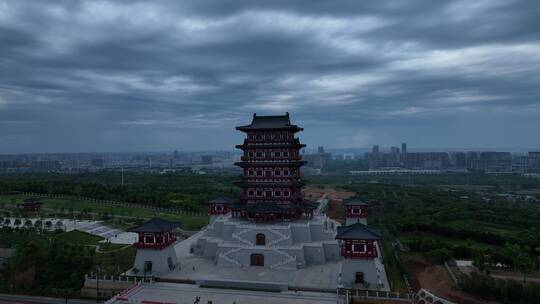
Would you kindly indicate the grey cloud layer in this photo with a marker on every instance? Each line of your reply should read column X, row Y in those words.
column 149, row 75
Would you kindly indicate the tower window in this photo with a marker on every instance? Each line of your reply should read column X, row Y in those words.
column 359, row 247
column 257, row 259
column 147, row 266
column 260, row 239
column 259, row 193
column 277, row 172
column 359, row 278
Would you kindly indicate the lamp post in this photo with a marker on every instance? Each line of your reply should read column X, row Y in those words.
column 97, row 284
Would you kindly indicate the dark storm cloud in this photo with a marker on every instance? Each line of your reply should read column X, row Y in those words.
column 149, row 75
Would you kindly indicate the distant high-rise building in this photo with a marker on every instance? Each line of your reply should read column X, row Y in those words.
column 427, row 160
column 404, row 148
column 534, row 160
column 472, row 160
column 44, row 165
column 318, row 160
column 460, row 160
column 348, row 156
column 206, row 159
column 375, row 149
column 97, row 162
column 394, row 150
column 495, row 161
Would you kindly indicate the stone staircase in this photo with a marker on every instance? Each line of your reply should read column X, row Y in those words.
column 285, row 257
column 226, row 257
column 282, row 237
column 238, row 236
column 242, row 240
column 288, row 259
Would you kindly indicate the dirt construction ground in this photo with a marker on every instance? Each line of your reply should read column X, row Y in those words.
column 436, row 279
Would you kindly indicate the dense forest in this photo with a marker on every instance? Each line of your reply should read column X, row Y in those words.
column 47, row 266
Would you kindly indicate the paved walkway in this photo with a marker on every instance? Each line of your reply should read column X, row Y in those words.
column 115, row 236
column 186, row 294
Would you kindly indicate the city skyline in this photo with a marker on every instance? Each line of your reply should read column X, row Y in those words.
column 134, row 76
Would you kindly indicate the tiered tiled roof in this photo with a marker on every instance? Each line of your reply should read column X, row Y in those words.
column 356, row 201
column 155, row 225
column 357, row 231
column 269, row 122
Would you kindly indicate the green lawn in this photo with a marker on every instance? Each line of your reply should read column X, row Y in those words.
column 79, row 237
column 56, row 205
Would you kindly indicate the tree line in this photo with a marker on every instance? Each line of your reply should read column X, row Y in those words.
column 186, row 192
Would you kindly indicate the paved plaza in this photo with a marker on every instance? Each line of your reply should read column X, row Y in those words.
column 186, row 294
column 115, row 236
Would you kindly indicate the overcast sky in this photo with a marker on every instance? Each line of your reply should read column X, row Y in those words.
column 163, row 75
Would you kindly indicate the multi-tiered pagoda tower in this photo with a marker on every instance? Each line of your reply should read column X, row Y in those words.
column 272, row 230
column 271, row 181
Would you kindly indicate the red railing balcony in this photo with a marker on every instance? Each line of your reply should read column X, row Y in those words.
column 271, row 141
column 359, row 255
column 270, row 159
column 156, row 246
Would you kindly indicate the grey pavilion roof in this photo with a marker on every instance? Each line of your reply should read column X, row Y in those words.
column 357, row 231
column 269, row 122
column 356, row 201
column 155, row 225
column 32, row 199
column 223, row 200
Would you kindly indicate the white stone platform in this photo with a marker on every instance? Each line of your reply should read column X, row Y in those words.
column 186, row 294
column 212, row 258
column 204, row 271
column 288, row 245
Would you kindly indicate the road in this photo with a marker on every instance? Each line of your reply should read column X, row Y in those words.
column 22, row 299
